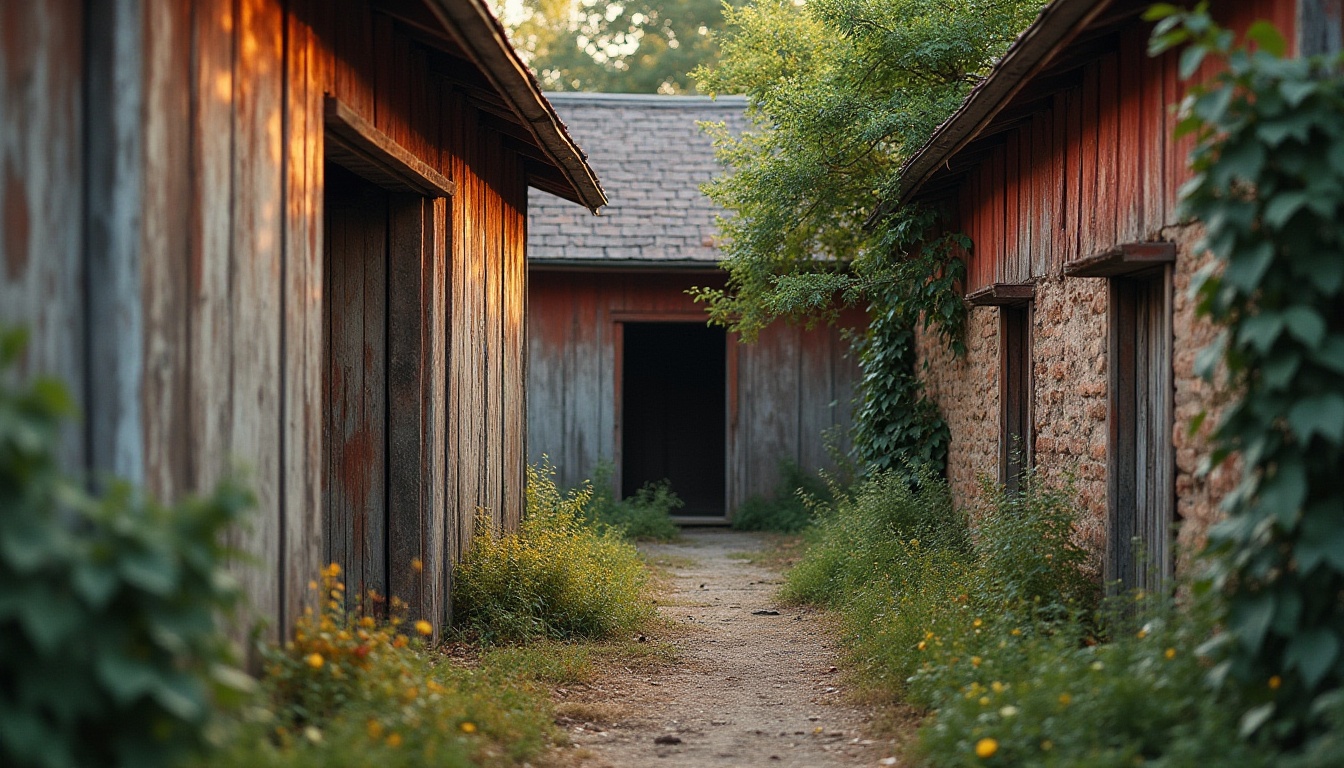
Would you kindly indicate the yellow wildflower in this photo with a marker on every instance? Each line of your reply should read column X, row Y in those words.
column 315, row 660
column 1170, row 654
column 424, row 627
column 1275, row 682
column 1047, row 745
column 367, row 622
column 975, row 661
column 312, row 585
column 984, row 701
column 394, row 740
column 1142, row 634
column 467, row 726
column 921, row 645
column 997, row 686
column 375, row 729
column 417, row 565
column 976, row 623
column 986, row 748
column 1065, row 699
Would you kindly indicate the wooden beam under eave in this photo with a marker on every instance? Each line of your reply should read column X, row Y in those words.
column 361, row 148
column 1003, row 295
column 1124, row 259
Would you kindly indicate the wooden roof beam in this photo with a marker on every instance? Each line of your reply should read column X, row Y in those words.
column 1003, row 295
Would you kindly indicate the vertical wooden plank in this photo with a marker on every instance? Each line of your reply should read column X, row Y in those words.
column 1177, row 150
column 303, row 315
column 435, row 406
column 407, row 354
column 1022, row 210
column 1044, row 166
column 163, row 244
column 1132, row 157
column 365, row 458
column 1061, row 188
column 1089, row 218
column 42, row 259
column 353, row 59
column 515, row 343
column 115, row 188
column 1109, row 178
column 210, row 251
column 1153, row 145
column 993, row 269
column 492, row 340
column 1120, row 425
column 1009, row 253
column 257, row 279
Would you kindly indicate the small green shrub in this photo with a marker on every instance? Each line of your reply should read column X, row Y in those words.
column 790, row 508
column 646, row 516
column 871, row 533
column 558, row 576
column 109, row 649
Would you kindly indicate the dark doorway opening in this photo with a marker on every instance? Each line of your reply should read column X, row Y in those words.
column 673, row 412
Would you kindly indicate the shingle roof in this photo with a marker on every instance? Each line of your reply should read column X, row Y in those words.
column 652, row 158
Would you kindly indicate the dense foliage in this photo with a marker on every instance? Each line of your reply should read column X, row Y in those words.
column 110, row 653
column 1269, row 188
column 789, row 508
column 349, row 690
column 646, row 516
column 840, row 93
column 646, row 46
column 558, row 576
column 991, row 623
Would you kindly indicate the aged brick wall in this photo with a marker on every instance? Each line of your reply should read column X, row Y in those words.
column 1069, row 327
column 1197, row 495
column 1069, row 377
column 966, row 390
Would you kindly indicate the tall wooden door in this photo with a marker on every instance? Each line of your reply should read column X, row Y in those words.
column 1141, row 475
column 382, row 443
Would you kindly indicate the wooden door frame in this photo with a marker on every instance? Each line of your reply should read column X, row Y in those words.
column 618, row 319
column 416, row 349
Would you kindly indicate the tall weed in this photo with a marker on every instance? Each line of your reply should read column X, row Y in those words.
column 558, row 576
column 646, row 516
column 790, row 508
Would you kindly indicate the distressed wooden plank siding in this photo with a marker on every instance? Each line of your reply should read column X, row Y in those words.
column 1096, row 156
column 784, row 391
column 42, row 270
column 168, row 161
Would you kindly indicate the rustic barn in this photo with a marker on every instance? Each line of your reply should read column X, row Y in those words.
column 1062, row 168
column 621, row 366
column 287, row 235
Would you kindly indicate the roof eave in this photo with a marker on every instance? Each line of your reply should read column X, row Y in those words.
column 1056, row 26
column 481, row 35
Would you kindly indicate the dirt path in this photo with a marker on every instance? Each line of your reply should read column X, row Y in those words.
column 750, row 689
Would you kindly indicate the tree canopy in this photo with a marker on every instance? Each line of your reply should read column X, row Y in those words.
column 841, row 92
column 635, row 46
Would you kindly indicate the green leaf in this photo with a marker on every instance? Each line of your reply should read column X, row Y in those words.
column 1297, row 92
column 125, row 678
column 1261, row 331
column 1321, row 539
column 1305, row 324
column 1248, row 266
column 1249, row 617
column 1283, row 493
column 152, row 571
column 1255, row 718
column 95, row 583
column 1319, row 414
column 1282, row 208
column 1312, row 653
column 1331, row 354
column 1191, row 58
column 1267, row 36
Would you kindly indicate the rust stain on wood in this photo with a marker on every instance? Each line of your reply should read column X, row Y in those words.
column 18, row 226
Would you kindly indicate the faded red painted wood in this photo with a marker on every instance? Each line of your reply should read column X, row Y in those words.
column 1093, row 167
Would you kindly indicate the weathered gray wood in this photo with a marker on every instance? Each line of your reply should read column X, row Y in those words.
column 42, row 269
column 1122, row 260
column 514, row 403
column 164, row 240
column 435, row 406
column 115, row 200
column 1002, row 295
column 407, row 325
column 357, row 145
column 303, row 321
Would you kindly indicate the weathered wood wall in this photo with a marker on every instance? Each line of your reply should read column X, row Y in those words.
column 185, row 252
column 1093, row 166
column 783, row 391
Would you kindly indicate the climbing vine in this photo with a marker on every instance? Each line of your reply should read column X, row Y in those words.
column 1269, row 188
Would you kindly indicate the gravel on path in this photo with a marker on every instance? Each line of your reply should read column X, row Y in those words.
column 755, row 683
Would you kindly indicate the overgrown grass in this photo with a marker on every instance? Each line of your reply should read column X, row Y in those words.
column 646, row 516
column 557, row 577
column 790, row 508
column 993, row 626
